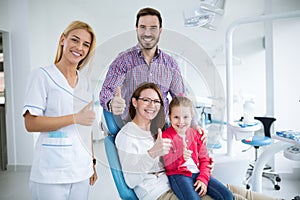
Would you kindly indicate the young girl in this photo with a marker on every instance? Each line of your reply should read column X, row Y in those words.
column 187, row 162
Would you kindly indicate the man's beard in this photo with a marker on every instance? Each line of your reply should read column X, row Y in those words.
column 148, row 45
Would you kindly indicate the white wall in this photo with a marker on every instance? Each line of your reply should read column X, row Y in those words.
column 4, row 13
column 287, row 70
column 16, row 69
column 35, row 26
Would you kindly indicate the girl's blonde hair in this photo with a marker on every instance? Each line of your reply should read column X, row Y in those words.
column 181, row 101
column 77, row 25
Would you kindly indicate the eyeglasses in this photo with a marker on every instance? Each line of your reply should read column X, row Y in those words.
column 152, row 29
column 148, row 101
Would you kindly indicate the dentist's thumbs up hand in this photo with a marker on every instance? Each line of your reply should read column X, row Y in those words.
column 85, row 116
column 161, row 146
column 118, row 103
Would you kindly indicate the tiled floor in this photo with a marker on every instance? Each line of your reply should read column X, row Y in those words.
column 14, row 184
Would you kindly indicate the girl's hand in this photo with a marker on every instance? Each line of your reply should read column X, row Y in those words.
column 201, row 187
column 187, row 154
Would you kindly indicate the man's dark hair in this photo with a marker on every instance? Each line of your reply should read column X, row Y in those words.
column 148, row 11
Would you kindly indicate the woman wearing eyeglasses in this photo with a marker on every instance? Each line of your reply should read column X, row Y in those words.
column 140, row 145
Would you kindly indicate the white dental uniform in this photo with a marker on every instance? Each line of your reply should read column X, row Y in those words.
column 64, row 155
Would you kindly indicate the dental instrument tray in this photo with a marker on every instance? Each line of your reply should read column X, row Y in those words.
column 293, row 137
column 243, row 130
column 289, row 135
column 249, row 124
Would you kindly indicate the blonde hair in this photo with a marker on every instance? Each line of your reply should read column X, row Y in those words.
column 77, row 25
column 181, row 101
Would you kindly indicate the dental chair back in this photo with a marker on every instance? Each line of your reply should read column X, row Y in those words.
column 125, row 192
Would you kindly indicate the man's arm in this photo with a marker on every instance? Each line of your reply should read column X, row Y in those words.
column 177, row 87
column 113, row 79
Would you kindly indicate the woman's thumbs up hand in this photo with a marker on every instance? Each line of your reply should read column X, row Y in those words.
column 85, row 116
column 161, row 146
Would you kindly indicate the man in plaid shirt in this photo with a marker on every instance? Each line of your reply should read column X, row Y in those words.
column 144, row 62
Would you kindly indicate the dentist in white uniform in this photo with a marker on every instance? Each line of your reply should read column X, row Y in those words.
column 58, row 104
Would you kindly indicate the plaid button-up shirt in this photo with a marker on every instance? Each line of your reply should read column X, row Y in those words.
column 130, row 69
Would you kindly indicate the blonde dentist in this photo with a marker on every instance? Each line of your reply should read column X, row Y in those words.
column 58, row 103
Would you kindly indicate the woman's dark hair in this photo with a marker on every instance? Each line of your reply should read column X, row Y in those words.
column 148, row 11
column 159, row 121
